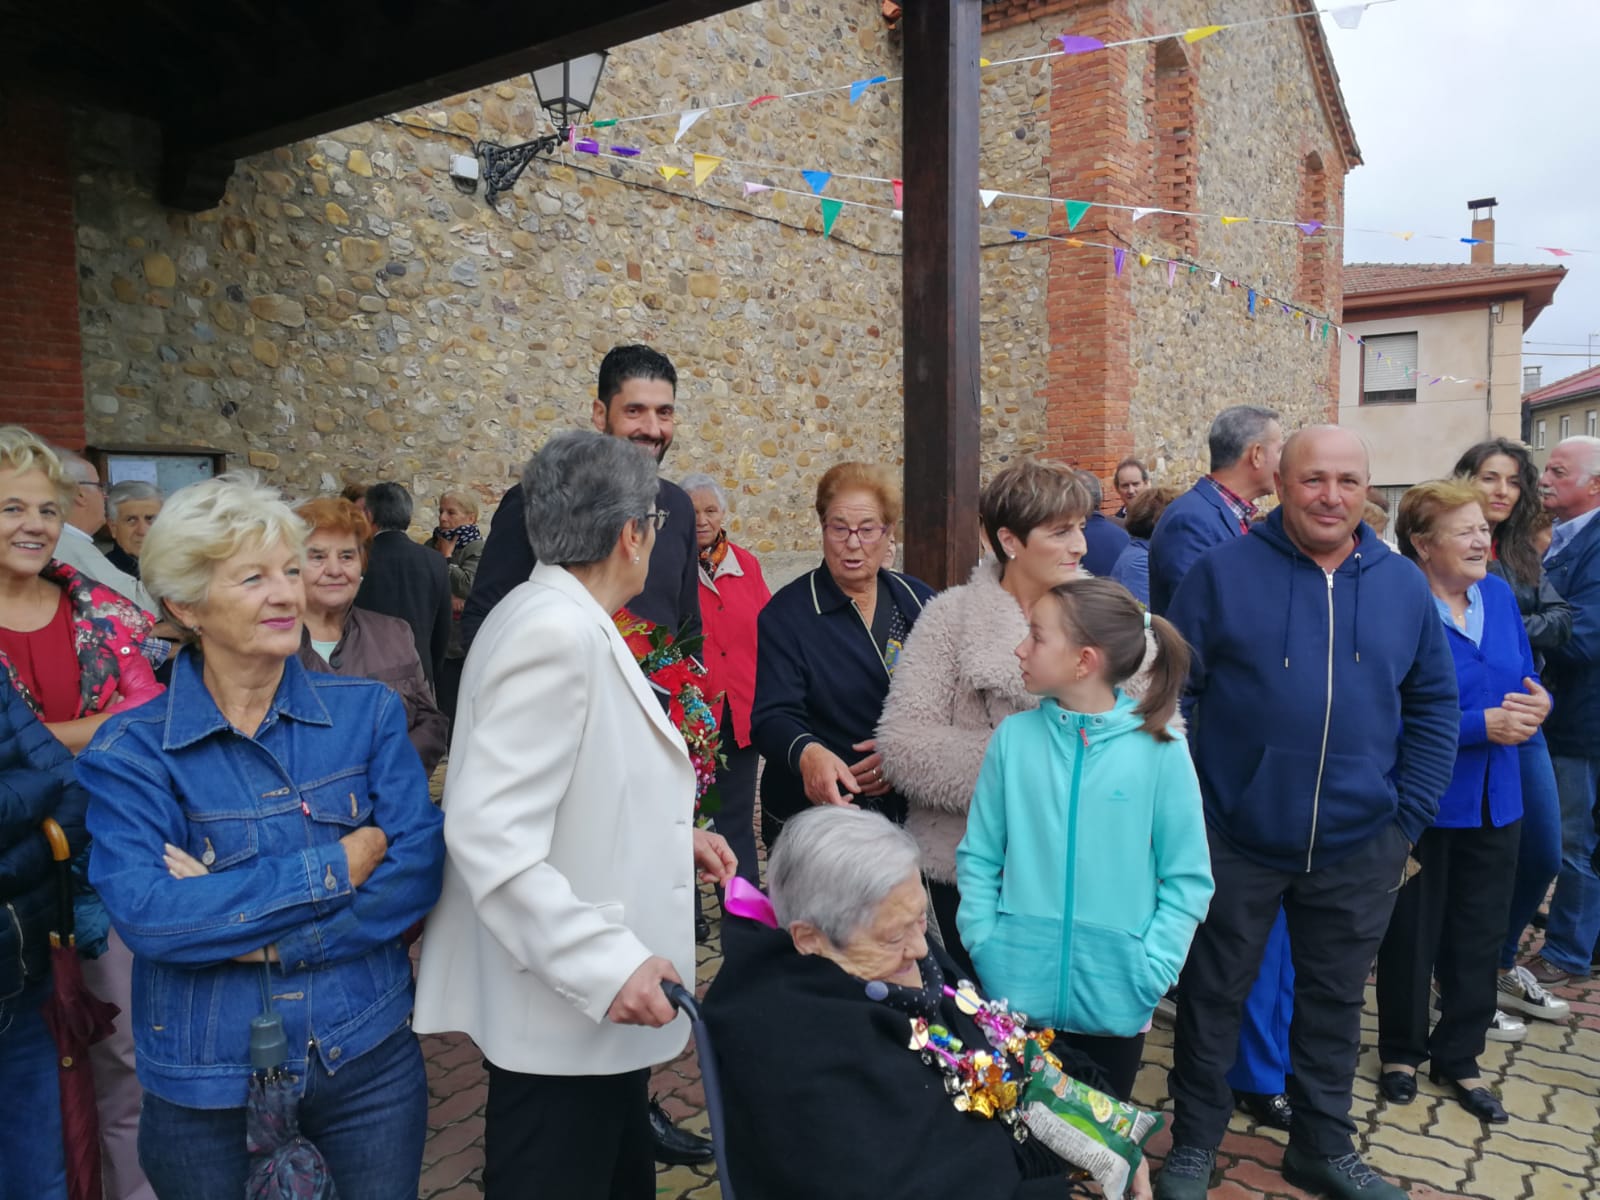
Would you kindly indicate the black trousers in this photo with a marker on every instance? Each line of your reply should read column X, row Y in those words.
column 447, row 688
column 946, row 900
column 1117, row 1057
column 736, row 784
column 1450, row 922
column 1337, row 915
column 576, row 1137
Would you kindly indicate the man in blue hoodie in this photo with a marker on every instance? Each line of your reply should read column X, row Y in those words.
column 1313, row 802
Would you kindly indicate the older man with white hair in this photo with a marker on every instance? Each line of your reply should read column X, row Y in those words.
column 84, row 519
column 1570, row 486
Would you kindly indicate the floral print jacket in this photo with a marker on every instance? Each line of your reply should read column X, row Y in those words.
column 107, row 632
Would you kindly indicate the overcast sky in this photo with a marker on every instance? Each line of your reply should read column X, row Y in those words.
column 1457, row 99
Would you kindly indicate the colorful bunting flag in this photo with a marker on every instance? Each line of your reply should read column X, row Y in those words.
column 1140, row 214
column 586, row 146
column 817, row 180
column 830, row 214
column 983, row 62
column 899, row 192
column 603, row 124
column 1075, row 211
column 897, row 215
column 1557, row 252
column 1118, row 257
column 1251, row 301
column 1472, row 241
column 861, row 85
column 1144, row 260
column 1172, row 271
column 1216, row 281
column 1406, row 236
column 704, row 164
column 1234, row 220
column 1201, row 32
column 1019, row 234
column 1074, row 243
column 1074, row 44
column 750, row 189
column 762, row 100
column 1348, row 16
column 686, row 121
column 1309, row 227
column 669, row 172
column 987, row 196
column 625, row 151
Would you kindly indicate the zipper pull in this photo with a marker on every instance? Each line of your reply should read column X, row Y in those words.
column 1083, row 734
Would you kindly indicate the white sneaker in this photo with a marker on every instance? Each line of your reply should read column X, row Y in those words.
column 1505, row 1028
column 1519, row 990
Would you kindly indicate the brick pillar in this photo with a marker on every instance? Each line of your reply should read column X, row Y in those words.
column 1092, row 157
column 41, row 351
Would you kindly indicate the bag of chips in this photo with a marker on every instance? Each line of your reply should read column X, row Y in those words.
column 1087, row 1128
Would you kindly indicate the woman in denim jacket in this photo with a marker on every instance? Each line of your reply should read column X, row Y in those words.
column 262, row 829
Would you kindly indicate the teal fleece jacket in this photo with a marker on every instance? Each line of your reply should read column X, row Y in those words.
column 1085, row 869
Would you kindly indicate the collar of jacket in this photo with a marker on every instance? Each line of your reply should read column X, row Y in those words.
column 990, row 627
column 828, row 596
column 1089, row 729
column 193, row 715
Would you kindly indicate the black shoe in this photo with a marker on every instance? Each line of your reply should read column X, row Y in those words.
column 1539, row 919
column 1479, row 1101
column 1398, row 1087
column 676, row 1147
column 702, row 931
column 1266, row 1109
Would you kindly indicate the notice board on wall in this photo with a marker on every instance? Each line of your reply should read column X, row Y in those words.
column 168, row 467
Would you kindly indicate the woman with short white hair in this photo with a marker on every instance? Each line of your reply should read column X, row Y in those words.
column 264, row 837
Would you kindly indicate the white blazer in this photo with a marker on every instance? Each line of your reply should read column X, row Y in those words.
column 568, row 819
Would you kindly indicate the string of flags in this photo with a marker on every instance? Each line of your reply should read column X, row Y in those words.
column 703, row 164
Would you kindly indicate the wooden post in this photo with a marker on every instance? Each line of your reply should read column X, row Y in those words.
column 939, row 149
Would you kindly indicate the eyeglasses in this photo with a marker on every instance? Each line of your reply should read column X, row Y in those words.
column 868, row 533
column 656, row 518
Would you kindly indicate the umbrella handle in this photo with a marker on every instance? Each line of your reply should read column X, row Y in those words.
column 61, row 852
column 57, row 837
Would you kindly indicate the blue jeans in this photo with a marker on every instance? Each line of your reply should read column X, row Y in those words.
column 1539, row 854
column 1575, row 908
column 369, row 1120
column 31, row 1166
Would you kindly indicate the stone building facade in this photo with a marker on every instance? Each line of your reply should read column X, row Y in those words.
column 347, row 313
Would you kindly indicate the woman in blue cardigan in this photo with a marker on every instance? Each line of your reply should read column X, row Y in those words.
column 1450, row 919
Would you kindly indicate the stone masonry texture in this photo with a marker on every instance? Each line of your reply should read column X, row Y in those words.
column 348, row 314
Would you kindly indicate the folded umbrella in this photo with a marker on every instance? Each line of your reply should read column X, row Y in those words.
column 77, row 1019
column 284, row 1164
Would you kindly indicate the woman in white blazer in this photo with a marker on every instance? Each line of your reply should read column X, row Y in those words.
column 569, row 890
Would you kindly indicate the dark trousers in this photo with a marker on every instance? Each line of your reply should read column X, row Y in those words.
column 577, row 1137
column 1449, row 921
column 1336, row 915
column 736, row 785
column 946, row 900
column 447, row 687
column 1117, row 1057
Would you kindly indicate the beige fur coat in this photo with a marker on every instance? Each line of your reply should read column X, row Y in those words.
column 956, row 680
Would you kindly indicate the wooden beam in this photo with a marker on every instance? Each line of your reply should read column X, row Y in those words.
column 939, row 147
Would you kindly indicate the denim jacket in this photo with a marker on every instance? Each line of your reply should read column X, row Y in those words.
column 264, row 814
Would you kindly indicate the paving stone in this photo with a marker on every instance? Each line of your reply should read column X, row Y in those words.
column 1420, row 1145
column 1548, row 1184
column 1496, row 1177
column 1408, row 1166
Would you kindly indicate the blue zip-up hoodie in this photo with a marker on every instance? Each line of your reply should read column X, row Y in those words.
column 1085, row 870
column 1321, row 705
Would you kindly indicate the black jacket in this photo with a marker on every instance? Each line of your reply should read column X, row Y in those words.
column 823, row 1097
column 36, row 781
column 411, row 581
column 671, row 596
column 1545, row 615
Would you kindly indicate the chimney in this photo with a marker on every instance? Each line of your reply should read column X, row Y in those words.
column 1531, row 379
column 1483, row 229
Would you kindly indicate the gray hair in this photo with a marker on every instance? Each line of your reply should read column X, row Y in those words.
column 581, row 489
column 207, row 523
column 1091, row 484
column 129, row 491
column 704, row 483
column 1588, row 449
column 1235, row 430
column 834, row 865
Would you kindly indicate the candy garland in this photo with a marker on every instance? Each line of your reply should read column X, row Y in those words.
column 984, row 1082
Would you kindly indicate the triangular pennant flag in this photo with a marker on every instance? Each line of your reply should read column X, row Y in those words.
column 1073, row 44
column 1216, row 280
column 761, row 100
column 817, row 180
column 1172, row 271
column 861, row 85
column 1348, row 16
column 1234, row 220
column 1324, row 331
column 686, row 120
column 1118, row 257
column 1252, row 302
column 1140, row 214
column 983, row 62
column 899, row 192
column 704, row 164
column 1193, row 267
column 830, row 214
column 1309, row 227
column 604, row 124
column 1019, row 234
column 1434, row 380
column 625, row 151
column 1144, row 260
column 670, row 172
column 1074, row 243
column 897, row 215
column 1075, row 211
column 987, row 196
column 750, row 189
column 1380, row 355
column 586, row 146
column 1283, row 306
column 1405, row 236
column 1200, row 32
column 1559, row 253
column 1472, row 241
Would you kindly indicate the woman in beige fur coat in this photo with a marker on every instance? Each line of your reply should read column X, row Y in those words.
column 958, row 678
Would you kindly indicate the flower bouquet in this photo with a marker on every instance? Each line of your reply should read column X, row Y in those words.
column 668, row 662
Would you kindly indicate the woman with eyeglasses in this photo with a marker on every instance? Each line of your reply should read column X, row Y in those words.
column 826, row 650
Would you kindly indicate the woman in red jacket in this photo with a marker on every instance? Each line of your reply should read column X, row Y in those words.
column 732, row 595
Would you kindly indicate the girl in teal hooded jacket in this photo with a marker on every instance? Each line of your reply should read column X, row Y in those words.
column 1085, row 869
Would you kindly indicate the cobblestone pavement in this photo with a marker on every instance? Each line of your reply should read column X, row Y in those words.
column 1549, row 1151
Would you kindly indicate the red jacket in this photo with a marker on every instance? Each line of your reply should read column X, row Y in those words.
column 729, row 606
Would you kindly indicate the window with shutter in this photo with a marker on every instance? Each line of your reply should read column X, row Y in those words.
column 1389, row 369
